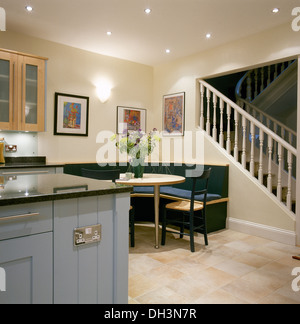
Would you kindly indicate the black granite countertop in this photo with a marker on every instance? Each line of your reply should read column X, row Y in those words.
column 23, row 189
column 27, row 162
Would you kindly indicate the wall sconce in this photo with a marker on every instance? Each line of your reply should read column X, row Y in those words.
column 103, row 91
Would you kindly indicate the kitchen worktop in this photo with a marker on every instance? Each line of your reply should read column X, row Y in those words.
column 28, row 162
column 40, row 187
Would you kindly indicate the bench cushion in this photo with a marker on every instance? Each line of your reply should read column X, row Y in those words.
column 176, row 192
column 143, row 189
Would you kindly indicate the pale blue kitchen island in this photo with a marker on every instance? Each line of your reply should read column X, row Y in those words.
column 45, row 258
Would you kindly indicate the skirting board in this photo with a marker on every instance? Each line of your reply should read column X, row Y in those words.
column 264, row 231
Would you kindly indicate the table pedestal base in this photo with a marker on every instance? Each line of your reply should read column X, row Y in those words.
column 156, row 211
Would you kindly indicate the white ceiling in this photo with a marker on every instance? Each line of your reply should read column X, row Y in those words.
column 179, row 25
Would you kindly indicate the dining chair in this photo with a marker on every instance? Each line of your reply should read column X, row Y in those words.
column 188, row 214
column 111, row 175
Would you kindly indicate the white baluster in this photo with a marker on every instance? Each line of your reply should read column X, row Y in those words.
column 290, row 135
column 201, row 106
column 228, row 142
column 215, row 99
column 249, row 89
column 256, row 80
column 221, row 139
column 282, row 133
column 236, row 124
column 244, row 122
column 252, row 136
column 270, row 148
column 279, row 176
column 289, row 189
column 269, row 75
column 208, row 111
column 261, row 145
column 248, row 109
column 262, row 79
column 275, row 72
column 261, row 117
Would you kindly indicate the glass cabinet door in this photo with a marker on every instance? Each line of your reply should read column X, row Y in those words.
column 7, row 67
column 4, row 91
column 33, row 99
column 31, row 85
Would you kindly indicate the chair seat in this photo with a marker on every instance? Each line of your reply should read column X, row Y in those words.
column 183, row 205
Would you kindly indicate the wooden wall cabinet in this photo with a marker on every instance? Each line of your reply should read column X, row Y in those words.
column 22, row 91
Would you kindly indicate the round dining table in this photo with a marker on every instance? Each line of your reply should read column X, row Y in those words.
column 155, row 180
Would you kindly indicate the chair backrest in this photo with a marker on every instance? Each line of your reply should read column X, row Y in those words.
column 101, row 174
column 203, row 178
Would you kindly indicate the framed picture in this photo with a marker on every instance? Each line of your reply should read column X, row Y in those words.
column 71, row 115
column 173, row 114
column 130, row 119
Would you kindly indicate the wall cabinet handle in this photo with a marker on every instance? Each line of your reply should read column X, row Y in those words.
column 13, row 98
column 7, row 218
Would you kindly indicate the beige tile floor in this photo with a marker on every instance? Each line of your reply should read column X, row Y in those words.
column 235, row 268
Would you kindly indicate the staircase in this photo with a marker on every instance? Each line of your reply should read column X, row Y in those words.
column 261, row 144
column 261, row 94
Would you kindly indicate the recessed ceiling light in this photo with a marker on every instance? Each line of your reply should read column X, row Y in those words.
column 108, row 33
column 168, row 51
column 275, row 10
column 147, row 11
column 29, row 8
column 208, row 35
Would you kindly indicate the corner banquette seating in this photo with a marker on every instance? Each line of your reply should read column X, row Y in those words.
column 142, row 197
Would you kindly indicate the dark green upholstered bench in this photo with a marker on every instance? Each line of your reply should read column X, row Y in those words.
column 142, row 197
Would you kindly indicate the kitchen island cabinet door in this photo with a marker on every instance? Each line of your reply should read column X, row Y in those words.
column 27, row 263
column 95, row 273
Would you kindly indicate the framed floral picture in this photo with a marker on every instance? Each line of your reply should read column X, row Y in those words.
column 173, row 114
column 130, row 119
column 71, row 114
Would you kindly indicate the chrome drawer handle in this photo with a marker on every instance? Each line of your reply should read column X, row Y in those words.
column 18, row 216
column 24, row 172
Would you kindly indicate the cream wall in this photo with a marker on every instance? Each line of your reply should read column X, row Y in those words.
column 248, row 204
column 74, row 71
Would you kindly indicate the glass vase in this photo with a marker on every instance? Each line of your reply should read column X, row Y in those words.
column 138, row 168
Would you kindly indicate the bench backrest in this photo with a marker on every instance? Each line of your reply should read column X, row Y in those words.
column 218, row 182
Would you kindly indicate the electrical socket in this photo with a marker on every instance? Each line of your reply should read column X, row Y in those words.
column 11, row 148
